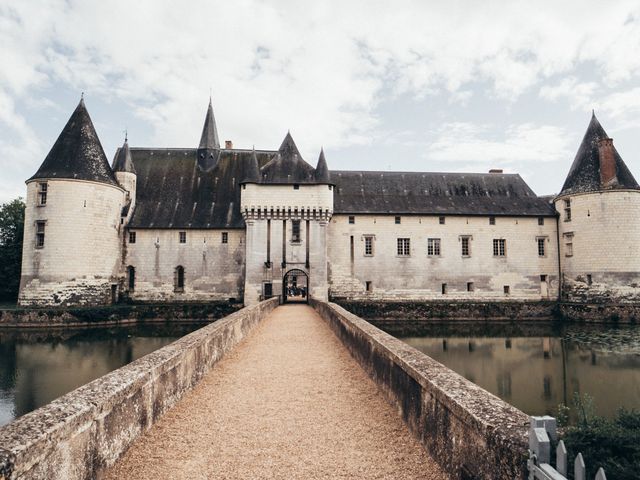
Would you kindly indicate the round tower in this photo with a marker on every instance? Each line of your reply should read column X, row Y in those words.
column 72, row 222
column 599, row 225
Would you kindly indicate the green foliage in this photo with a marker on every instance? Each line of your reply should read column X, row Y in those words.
column 11, row 233
column 611, row 444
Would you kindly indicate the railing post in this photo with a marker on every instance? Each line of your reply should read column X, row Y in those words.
column 561, row 459
column 600, row 475
column 579, row 469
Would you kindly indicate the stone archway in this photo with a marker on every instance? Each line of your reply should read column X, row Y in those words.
column 295, row 286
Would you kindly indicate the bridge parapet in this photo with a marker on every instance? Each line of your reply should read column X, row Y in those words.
column 470, row 432
column 83, row 432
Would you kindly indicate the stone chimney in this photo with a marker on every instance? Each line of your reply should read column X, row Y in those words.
column 607, row 162
column 495, row 170
column 228, row 144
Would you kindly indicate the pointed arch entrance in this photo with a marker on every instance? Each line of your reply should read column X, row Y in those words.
column 295, row 286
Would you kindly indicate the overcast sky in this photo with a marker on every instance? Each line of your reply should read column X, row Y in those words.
column 389, row 85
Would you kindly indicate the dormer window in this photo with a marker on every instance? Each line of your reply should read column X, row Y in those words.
column 42, row 193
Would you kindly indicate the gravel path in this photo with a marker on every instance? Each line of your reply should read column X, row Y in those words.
column 288, row 402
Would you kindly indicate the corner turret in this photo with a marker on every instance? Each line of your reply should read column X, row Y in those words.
column 125, row 173
column 322, row 171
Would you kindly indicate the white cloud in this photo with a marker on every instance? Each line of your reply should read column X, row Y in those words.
column 580, row 95
column 470, row 143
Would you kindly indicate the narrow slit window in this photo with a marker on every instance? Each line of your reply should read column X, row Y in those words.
column 470, row 286
column 368, row 286
column 183, row 237
column 42, row 193
column 179, row 285
column 131, row 277
column 444, row 288
column 295, row 231
column 225, row 237
column 567, row 210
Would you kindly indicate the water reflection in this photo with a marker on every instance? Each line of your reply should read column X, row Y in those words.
column 536, row 373
column 39, row 366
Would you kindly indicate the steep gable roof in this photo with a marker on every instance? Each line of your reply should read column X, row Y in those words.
column 122, row 159
column 322, row 170
column 209, row 138
column 77, row 153
column 584, row 174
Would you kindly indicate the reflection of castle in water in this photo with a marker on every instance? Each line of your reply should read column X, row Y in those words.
column 537, row 373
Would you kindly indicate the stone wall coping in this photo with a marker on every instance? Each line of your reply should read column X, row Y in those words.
column 31, row 438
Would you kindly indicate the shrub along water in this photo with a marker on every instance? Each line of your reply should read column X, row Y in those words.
column 613, row 444
column 11, row 232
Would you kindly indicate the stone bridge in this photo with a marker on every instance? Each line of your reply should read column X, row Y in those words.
column 291, row 391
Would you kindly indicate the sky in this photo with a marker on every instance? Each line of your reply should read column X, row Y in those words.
column 456, row 86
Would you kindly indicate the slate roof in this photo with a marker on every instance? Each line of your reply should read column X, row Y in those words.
column 584, row 174
column 77, row 153
column 122, row 160
column 209, row 138
column 173, row 192
column 287, row 166
column 436, row 194
column 322, row 174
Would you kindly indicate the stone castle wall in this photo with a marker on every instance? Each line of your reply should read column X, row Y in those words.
column 79, row 260
column 420, row 276
column 213, row 270
column 604, row 233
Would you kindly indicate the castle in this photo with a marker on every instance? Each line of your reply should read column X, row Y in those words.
column 219, row 223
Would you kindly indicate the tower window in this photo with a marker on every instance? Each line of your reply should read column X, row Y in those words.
column 368, row 286
column 541, row 246
column 131, row 277
column 465, row 246
column 499, row 247
column 404, row 247
column 506, row 289
column 568, row 244
column 179, row 279
column 183, row 237
column 433, row 247
column 132, row 237
column 42, row 193
column 368, row 246
column 40, row 234
column 352, row 219
column 225, row 237
column 470, row 286
column 295, row 231
column 444, row 288
column 567, row 210
column 398, row 220
column 492, row 220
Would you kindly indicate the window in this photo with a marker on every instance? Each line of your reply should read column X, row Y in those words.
column 499, row 247
column 540, row 220
column 465, row 246
column 368, row 246
column 183, row 237
column 568, row 244
column 589, row 279
column 296, row 187
column 132, row 237
column 368, row 286
column 179, row 279
column 433, row 247
column 352, row 219
column 444, row 288
column 506, row 289
column 398, row 220
column 541, row 246
column 567, row 210
column 441, row 220
column 225, row 237
column 295, row 231
column 404, row 249
column 469, row 286
column 131, row 276
column 40, row 234
column 492, row 220
column 42, row 193
column 543, row 278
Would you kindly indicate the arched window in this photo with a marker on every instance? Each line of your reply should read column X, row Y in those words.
column 179, row 279
column 131, row 277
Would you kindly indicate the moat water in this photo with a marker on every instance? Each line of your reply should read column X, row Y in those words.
column 37, row 367
column 537, row 367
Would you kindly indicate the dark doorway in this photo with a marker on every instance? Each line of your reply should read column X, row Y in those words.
column 295, row 287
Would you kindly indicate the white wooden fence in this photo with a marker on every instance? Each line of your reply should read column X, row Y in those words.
column 542, row 431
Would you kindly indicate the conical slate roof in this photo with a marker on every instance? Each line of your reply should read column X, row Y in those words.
column 122, row 161
column 584, row 175
column 209, row 138
column 253, row 169
column 288, row 166
column 322, row 171
column 77, row 153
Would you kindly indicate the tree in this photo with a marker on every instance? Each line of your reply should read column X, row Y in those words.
column 11, row 233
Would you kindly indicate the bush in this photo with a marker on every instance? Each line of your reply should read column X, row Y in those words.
column 613, row 444
column 11, row 232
